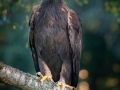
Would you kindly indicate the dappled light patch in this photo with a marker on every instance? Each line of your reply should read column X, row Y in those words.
column 83, row 74
column 116, row 68
column 84, row 85
column 111, row 82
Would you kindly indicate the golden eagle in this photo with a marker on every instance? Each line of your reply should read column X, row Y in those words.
column 55, row 41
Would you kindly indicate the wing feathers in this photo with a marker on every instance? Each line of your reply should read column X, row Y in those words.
column 75, row 36
column 31, row 37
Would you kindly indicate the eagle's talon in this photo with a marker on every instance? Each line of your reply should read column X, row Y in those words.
column 63, row 85
column 46, row 77
column 49, row 78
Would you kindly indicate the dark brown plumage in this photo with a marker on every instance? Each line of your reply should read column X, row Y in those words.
column 55, row 41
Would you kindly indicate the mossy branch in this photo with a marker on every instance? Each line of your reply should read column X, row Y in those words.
column 23, row 80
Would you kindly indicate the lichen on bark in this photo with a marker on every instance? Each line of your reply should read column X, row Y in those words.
column 24, row 81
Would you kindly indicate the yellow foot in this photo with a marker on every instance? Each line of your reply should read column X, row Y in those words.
column 44, row 77
column 63, row 85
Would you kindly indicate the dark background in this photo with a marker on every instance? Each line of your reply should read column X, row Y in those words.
column 100, row 64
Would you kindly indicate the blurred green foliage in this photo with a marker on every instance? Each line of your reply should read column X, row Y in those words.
column 101, row 40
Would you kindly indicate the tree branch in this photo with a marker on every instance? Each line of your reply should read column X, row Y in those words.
column 23, row 80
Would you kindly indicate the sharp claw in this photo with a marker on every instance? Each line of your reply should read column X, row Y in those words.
column 39, row 74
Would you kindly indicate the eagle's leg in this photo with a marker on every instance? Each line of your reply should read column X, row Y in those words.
column 45, row 71
column 65, row 77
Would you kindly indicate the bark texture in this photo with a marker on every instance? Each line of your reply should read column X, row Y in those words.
column 23, row 80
